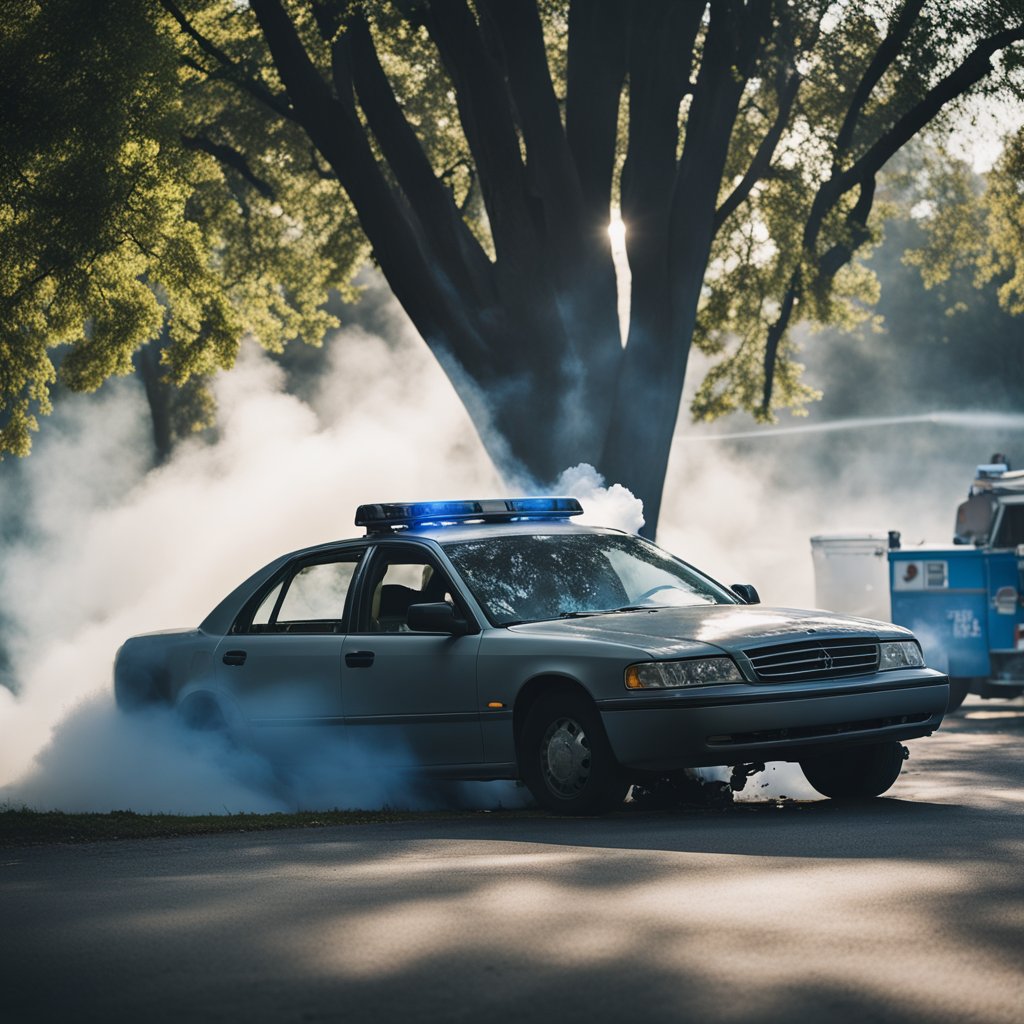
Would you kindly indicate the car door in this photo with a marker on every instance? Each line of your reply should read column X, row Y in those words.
column 410, row 697
column 282, row 664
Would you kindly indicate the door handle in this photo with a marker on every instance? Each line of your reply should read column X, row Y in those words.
column 359, row 659
column 234, row 658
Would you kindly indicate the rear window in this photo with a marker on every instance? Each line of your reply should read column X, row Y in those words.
column 528, row 577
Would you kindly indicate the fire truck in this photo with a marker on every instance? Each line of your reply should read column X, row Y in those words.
column 964, row 601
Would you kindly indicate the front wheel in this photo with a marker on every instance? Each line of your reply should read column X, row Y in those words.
column 565, row 758
column 857, row 773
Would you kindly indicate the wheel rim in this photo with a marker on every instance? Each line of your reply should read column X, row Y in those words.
column 565, row 757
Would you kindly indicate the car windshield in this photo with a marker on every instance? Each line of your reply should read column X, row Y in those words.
column 526, row 577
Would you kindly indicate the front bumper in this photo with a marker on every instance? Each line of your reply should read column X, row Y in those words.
column 662, row 731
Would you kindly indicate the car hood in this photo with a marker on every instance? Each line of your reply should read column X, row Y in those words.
column 665, row 632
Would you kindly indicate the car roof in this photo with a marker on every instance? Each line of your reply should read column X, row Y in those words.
column 486, row 531
column 455, row 532
column 223, row 614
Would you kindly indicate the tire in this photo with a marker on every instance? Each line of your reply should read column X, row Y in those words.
column 959, row 687
column 856, row 773
column 992, row 691
column 203, row 714
column 565, row 758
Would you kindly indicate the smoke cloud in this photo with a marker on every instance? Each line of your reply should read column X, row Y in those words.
column 602, row 506
column 95, row 546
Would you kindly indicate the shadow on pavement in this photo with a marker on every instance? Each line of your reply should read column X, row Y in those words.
column 903, row 909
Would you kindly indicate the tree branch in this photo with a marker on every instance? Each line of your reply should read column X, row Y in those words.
column 418, row 282
column 596, row 72
column 465, row 261
column 330, row 21
column 229, row 157
column 550, row 167
column 798, row 39
column 762, row 159
column 734, row 38
column 882, row 60
column 974, row 68
column 488, row 125
column 661, row 51
column 342, row 141
column 857, row 234
column 862, row 174
column 276, row 103
column 775, row 335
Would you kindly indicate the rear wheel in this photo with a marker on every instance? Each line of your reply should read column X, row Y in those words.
column 565, row 757
column 856, row 773
column 203, row 714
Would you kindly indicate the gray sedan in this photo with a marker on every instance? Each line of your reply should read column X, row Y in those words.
column 497, row 639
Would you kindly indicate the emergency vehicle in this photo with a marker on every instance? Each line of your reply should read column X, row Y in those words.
column 967, row 599
column 964, row 601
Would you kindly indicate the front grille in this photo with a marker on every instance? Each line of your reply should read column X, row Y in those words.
column 814, row 659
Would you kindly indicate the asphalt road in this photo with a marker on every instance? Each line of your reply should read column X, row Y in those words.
column 909, row 908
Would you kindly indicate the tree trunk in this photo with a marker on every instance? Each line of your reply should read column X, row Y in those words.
column 159, row 396
column 526, row 325
column 530, row 340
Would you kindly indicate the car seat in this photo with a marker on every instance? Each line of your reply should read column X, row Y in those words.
column 394, row 607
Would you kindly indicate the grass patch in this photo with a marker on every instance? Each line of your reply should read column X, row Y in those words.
column 26, row 827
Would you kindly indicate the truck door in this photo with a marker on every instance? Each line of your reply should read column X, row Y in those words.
column 940, row 593
column 1005, row 610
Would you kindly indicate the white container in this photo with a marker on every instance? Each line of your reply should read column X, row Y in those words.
column 851, row 572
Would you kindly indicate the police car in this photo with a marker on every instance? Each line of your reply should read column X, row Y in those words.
column 498, row 639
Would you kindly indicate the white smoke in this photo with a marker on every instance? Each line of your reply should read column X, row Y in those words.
column 780, row 780
column 111, row 550
column 95, row 548
column 100, row 761
column 614, row 506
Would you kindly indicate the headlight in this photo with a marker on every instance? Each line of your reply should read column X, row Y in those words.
column 899, row 654
column 667, row 675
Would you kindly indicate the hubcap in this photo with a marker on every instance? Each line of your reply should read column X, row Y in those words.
column 565, row 757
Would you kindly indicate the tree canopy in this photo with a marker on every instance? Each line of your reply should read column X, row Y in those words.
column 122, row 222
column 982, row 229
column 938, row 337
column 478, row 150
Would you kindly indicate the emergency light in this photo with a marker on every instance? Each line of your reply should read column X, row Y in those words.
column 383, row 517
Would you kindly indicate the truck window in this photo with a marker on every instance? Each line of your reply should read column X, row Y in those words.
column 1010, row 531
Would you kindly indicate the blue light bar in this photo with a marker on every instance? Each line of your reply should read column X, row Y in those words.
column 377, row 518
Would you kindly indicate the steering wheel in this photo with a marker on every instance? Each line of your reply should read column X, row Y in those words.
column 654, row 590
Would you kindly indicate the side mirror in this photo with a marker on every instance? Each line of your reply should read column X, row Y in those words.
column 436, row 617
column 746, row 592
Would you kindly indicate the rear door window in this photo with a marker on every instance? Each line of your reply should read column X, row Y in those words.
column 312, row 598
